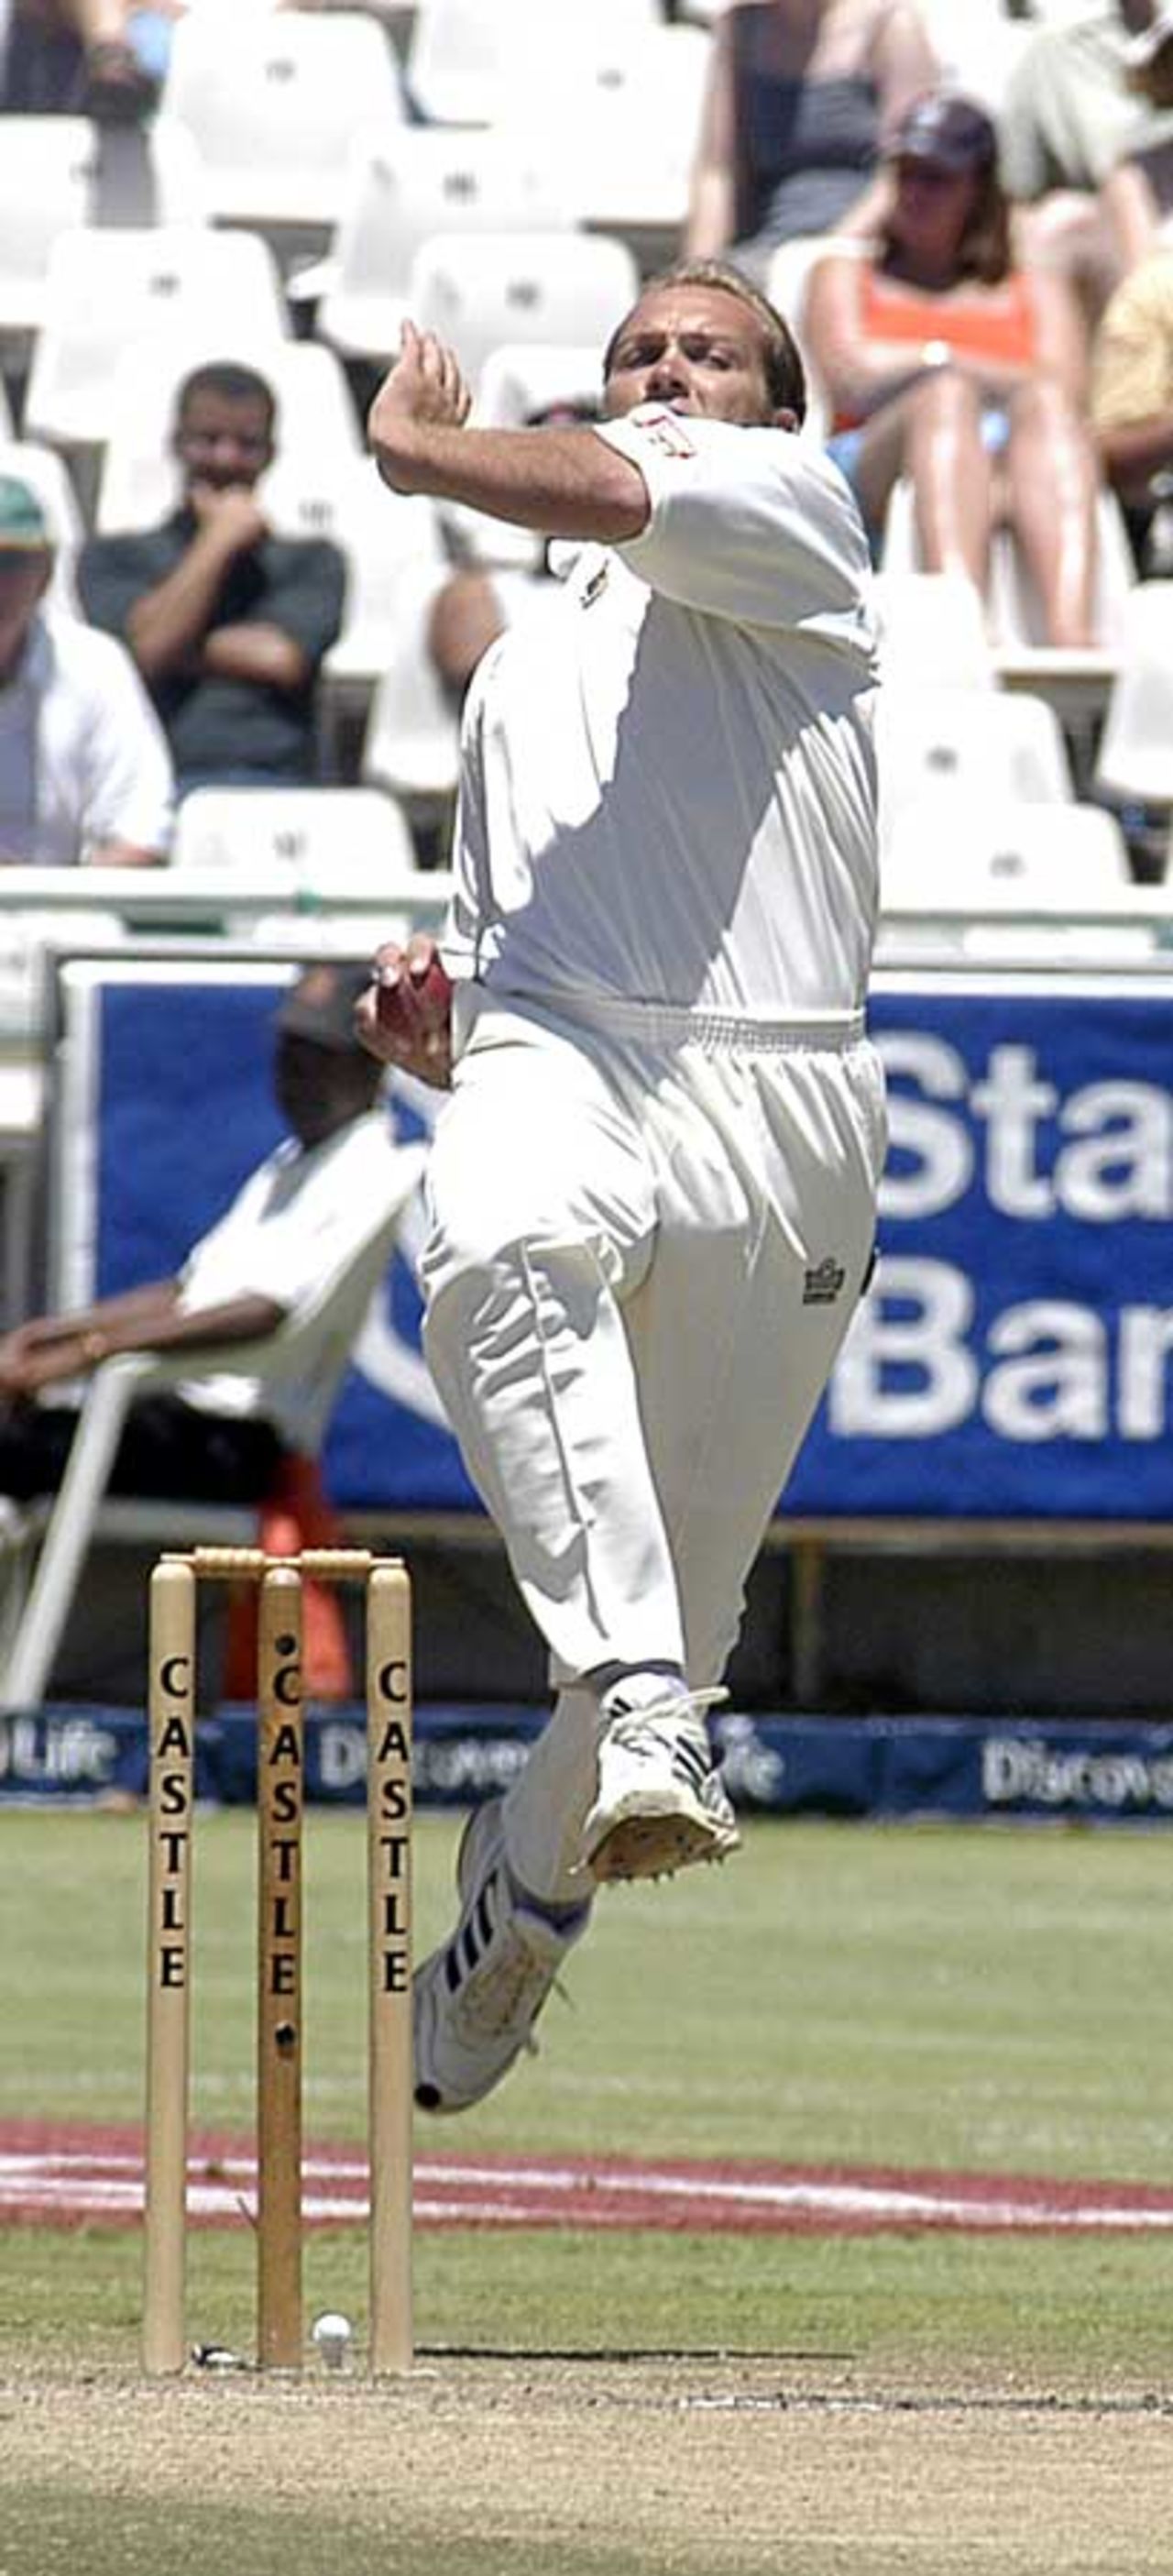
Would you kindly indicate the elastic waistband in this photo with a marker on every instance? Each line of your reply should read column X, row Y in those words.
column 667, row 1024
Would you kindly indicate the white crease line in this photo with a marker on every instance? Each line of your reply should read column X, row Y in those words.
column 515, row 2194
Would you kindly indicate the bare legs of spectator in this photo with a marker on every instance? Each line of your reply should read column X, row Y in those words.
column 1051, row 487
column 1045, row 486
column 933, row 434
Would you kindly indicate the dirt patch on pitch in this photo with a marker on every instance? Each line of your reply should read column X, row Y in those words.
column 664, row 2468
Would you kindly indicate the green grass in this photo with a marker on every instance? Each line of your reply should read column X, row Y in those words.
column 937, row 1996
column 946, row 1998
column 70, row 2539
column 949, row 2311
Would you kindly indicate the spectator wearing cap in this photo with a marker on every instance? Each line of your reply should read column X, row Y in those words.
column 799, row 96
column 292, row 1230
column 227, row 622
column 84, row 769
column 1138, row 193
column 947, row 362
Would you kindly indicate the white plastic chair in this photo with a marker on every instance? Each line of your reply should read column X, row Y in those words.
column 976, row 46
column 466, row 59
column 329, row 1327
column 1016, row 615
column 968, row 744
column 619, row 115
column 317, row 435
column 107, row 290
column 1013, row 606
column 788, row 276
column 932, row 628
column 57, row 172
column 1043, row 858
column 411, row 740
column 313, row 831
column 480, row 291
column 1135, row 759
column 392, row 542
column 401, row 190
column 273, row 100
column 48, row 476
column 524, row 378
column 412, row 736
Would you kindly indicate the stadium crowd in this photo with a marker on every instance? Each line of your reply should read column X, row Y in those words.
column 962, row 212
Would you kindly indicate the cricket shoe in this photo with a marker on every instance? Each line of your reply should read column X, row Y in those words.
column 660, row 1803
column 476, row 1999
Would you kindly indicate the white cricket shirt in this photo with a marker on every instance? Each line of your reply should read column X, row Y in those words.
column 83, row 757
column 668, row 786
column 294, row 1226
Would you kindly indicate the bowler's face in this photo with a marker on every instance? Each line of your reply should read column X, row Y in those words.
column 698, row 351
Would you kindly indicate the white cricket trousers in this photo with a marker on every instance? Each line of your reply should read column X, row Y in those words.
column 649, row 1230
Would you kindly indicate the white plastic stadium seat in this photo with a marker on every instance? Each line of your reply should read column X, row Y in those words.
column 109, row 289
column 401, row 189
column 1135, row 760
column 480, row 291
column 524, row 379
column 932, row 628
column 787, row 279
column 977, row 46
column 332, row 1325
column 411, row 741
column 317, row 434
column 47, row 475
column 57, row 172
column 273, row 101
column 967, row 745
column 1048, row 858
column 619, row 116
column 413, row 729
column 391, row 540
column 309, row 830
column 467, row 59
column 1015, row 612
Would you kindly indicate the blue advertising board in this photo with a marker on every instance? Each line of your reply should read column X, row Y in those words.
column 990, row 1769
column 1012, row 1358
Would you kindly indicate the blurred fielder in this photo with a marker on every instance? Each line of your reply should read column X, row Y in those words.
column 653, row 1185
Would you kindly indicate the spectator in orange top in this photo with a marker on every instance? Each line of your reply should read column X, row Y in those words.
column 946, row 362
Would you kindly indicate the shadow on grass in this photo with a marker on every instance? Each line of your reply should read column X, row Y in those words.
column 59, row 2531
column 608, row 2355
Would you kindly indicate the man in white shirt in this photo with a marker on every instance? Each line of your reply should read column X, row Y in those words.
column 653, row 1188
column 85, row 773
column 294, row 1227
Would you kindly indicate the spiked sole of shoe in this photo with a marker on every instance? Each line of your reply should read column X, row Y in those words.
column 656, row 1846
